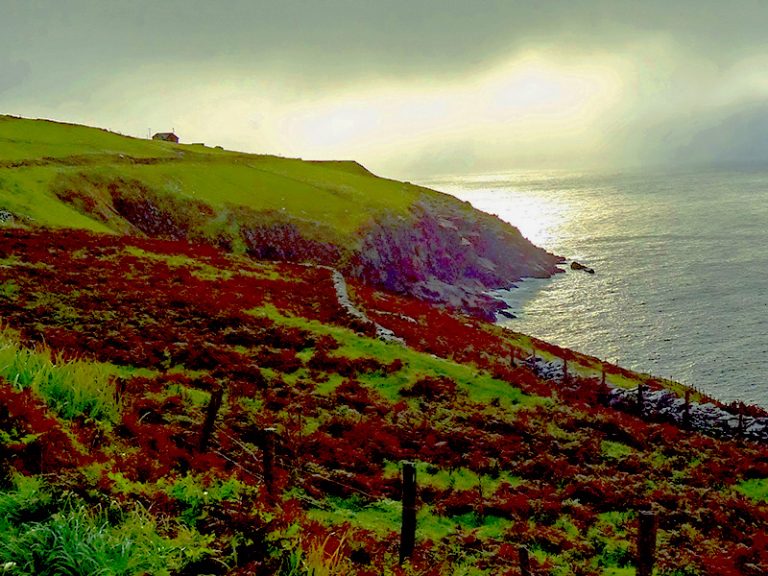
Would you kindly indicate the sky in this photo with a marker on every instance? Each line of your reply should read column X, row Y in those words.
column 407, row 87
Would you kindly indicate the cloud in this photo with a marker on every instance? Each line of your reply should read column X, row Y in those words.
column 737, row 137
column 399, row 83
column 13, row 73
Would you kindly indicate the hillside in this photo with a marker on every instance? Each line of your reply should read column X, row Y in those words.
column 394, row 235
column 113, row 347
column 179, row 398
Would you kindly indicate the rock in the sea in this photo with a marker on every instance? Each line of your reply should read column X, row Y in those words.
column 506, row 314
column 579, row 266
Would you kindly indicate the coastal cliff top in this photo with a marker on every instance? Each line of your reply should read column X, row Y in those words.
column 395, row 235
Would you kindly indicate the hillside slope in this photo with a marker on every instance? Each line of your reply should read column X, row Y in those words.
column 112, row 352
column 395, row 235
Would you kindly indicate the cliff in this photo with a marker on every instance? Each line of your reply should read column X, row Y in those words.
column 404, row 238
column 444, row 252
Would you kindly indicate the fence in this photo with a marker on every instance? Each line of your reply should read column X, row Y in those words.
column 647, row 529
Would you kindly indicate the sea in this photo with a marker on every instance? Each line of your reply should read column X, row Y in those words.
column 680, row 288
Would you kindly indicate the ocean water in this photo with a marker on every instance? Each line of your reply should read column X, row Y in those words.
column 680, row 288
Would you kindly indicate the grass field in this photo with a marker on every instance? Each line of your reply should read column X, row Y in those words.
column 36, row 156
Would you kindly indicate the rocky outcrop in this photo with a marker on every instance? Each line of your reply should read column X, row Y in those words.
column 448, row 253
column 579, row 266
column 271, row 239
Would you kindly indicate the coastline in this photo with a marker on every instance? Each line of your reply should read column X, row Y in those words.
column 673, row 294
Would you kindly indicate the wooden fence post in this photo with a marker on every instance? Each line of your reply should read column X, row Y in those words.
column 214, row 404
column 268, row 459
column 565, row 371
column 687, row 410
column 646, row 543
column 525, row 561
column 408, row 529
column 741, row 420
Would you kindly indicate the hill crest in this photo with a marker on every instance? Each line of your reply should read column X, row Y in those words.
column 399, row 236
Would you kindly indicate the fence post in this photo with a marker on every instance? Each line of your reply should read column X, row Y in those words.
column 525, row 561
column 214, row 404
column 408, row 529
column 646, row 543
column 268, row 458
column 687, row 410
column 565, row 372
column 120, row 390
column 741, row 420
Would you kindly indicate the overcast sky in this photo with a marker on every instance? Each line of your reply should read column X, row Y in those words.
column 407, row 87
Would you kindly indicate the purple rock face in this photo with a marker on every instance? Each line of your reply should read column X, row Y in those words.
column 448, row 254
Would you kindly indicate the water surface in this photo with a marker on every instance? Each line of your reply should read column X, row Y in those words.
column 680, row 288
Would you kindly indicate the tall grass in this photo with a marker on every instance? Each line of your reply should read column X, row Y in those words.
column 70, row 387
column 322, row 559
column 57, row 537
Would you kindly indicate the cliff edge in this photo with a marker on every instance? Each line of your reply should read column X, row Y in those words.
column 394, row 235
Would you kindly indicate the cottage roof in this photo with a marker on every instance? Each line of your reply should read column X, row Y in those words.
column 165, row 136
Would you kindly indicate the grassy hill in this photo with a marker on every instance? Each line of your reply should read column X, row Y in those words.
column 172, row 403
column 334, row 213
column 113, row 347
column 48, row 155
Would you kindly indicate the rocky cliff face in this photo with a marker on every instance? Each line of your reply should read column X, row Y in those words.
column 441, row 250
column 446, row 253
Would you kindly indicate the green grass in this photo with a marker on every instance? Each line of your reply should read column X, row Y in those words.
column 71, row 388
column 25, row 192
column 384, row 518
column 459, row 479
column 333, row 199
column 340, row 200
column 478, row 386
column 615, row 450
column 45, row 536
column 613, row 552
column 23, row 139
column 488, row 526
column 195, row 495
column 26, row 498
column 756, row 489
